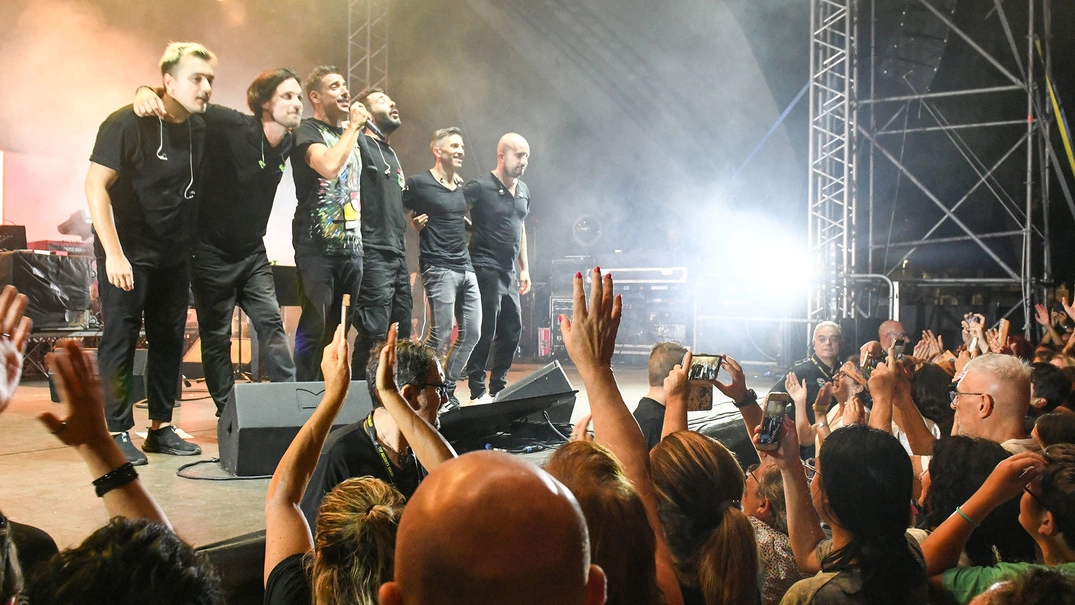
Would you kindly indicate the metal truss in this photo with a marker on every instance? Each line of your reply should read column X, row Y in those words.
column 865, row 124
column 367, row 44
column 832, row 153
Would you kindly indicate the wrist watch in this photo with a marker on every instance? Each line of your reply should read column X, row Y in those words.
column 749, row 398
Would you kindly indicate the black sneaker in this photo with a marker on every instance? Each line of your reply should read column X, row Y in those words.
column 131, row 453
column 166, row 441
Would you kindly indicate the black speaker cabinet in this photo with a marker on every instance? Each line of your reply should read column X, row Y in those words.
column 546, row 390
column 261, row 418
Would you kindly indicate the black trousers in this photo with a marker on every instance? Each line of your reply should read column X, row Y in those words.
column 160, row 298
column 502, row 325
column 384, row 299
column 323, row 280
column 219, row 284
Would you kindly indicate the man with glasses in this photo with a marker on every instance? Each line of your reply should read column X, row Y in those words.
column 991, row 402
column 374, row 446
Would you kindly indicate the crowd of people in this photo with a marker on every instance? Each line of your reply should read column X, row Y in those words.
column 880, row 507
column 897, row 474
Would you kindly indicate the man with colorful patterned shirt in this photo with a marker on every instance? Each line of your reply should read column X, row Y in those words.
column 326, row 231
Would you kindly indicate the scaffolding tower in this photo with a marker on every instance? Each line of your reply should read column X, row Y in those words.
column 881, row 111
column 367, row 44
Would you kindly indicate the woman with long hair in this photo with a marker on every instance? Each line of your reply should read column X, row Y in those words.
column 621, row 540
column 862, row 490
column 699, row 484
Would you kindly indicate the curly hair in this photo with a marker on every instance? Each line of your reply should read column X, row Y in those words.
column 127, row 562
column 621, row 540
column 355, row 541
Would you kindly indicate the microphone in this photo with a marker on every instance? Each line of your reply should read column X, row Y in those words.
column 374, row 129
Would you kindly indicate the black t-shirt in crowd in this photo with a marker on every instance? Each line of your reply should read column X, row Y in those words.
column 349, row 452
column 289, row 583
column 328, row 216
column 239, row 179
column 498, row 221
column 443, row 241
column 650, row 417
column 384, row 226
column 156, row 162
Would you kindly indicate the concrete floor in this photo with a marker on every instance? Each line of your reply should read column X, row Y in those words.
column 46, row 484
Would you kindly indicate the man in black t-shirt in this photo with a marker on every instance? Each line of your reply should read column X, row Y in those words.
column 435, row 199
column 244, row 163
column 649, row 414
column 326, row 231
column 141, row 188
column 499, row 203
column 385, row 295
column 375, row 446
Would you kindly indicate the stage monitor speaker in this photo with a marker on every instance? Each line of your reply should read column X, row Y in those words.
column 261, row 418
column 12, row 237
column 546, row 390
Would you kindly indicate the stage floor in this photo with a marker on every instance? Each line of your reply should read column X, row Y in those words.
column 46, row 484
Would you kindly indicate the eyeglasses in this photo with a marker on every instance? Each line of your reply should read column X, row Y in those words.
column 443, row 388
column 954, row 393
column 810, row 466
column 750, row 471
column 1036, row 497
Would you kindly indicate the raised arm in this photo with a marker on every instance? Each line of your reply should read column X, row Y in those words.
column 429, row 446
column 84, row 429
column 942, row 547
column 590, row 338
column 328, row 161
column 676, row 389
column 286, row 530
column 804, row 525
column 16, row 328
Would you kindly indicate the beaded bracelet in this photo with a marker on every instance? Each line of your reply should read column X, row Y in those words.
column 117, row 477
column 967, row 518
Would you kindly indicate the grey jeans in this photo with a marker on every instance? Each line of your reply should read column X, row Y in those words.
column 453, row 300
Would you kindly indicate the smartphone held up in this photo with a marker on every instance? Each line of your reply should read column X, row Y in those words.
column 776, row 407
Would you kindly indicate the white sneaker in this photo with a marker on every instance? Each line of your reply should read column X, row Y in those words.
column 485, row 398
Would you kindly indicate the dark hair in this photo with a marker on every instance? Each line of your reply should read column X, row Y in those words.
column 1055, row 427
column 929, row 391
column 127, row 562
column 313, row 81
column 264, row 87
column 10, row 573
column 1058, row 488
column 1050, row 382
column 867, row 478
column 366, row 92
column 662, row 358
column 960, row 465
column 413, row 362
column 621, row 539
column 699, row 484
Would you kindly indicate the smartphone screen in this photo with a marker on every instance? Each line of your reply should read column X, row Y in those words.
column 704, row 367
column 771, row 423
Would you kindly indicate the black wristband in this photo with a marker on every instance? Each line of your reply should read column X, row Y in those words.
column 117, row 477
column 751, row 397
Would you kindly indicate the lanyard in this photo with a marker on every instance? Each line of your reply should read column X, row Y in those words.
column 372, row 431
column 824, row 369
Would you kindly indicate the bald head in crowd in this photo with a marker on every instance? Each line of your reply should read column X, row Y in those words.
column 889, row 331
column 490, row 528
column 992, row 400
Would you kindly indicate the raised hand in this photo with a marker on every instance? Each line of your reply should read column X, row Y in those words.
column 736, row 390
column 80, row 391
column 795, row 388
column 590, row 332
